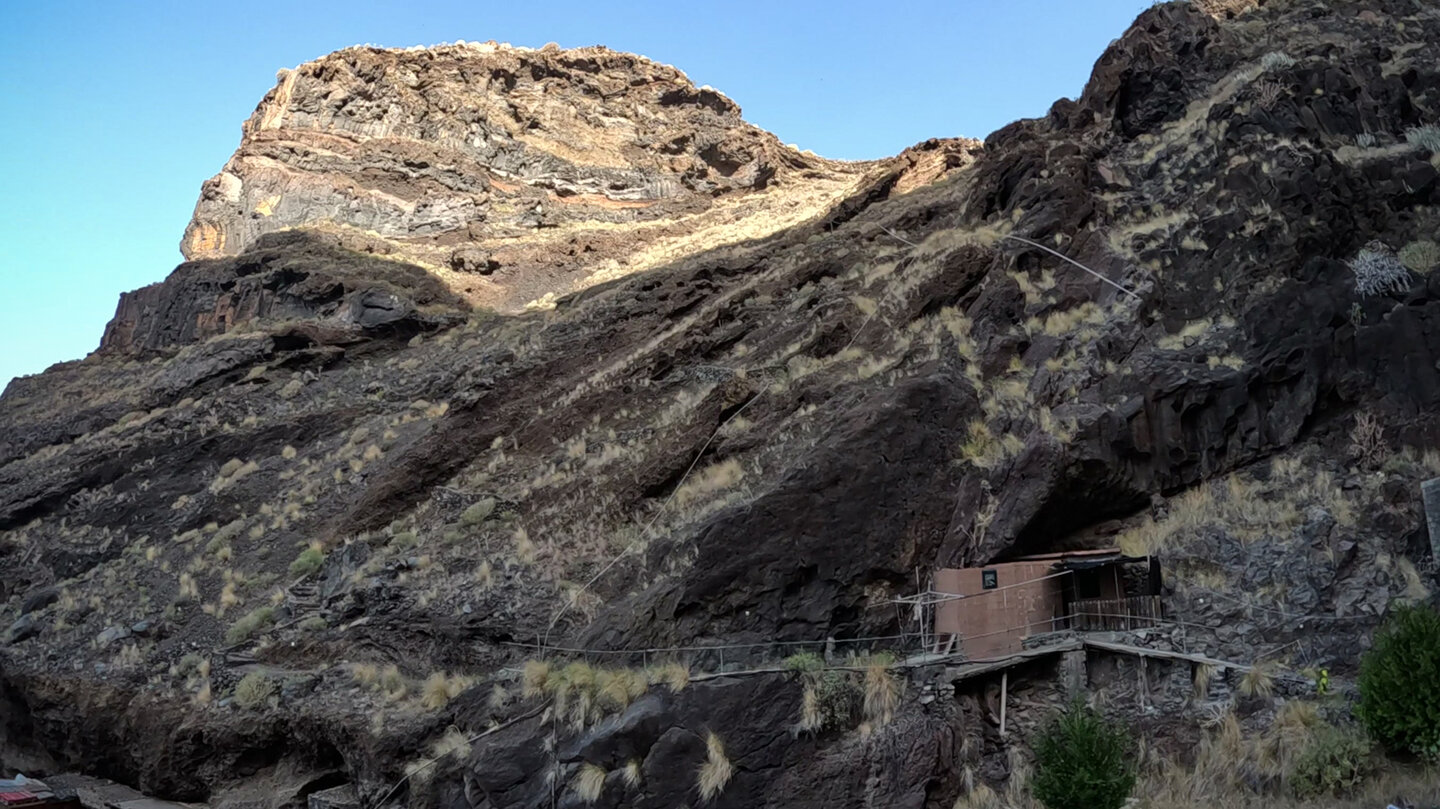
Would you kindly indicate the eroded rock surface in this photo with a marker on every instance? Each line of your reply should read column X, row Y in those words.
column 754, row 440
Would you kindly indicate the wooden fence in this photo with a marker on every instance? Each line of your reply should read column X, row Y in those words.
column 1109, row 614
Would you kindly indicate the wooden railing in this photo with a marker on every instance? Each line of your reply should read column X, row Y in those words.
column 1109, row 614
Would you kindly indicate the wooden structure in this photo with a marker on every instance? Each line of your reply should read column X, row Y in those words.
column 989, row 611
column 1114, row 614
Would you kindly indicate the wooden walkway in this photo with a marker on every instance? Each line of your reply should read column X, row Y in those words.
column 961, row 669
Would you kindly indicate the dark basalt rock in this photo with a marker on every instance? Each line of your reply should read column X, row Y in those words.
column 764, row 442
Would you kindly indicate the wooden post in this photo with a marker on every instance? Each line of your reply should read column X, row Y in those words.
column 1004, row 689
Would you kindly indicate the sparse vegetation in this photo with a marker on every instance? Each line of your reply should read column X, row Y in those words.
column 308, row 563
column 254, row 690
column 716, row 771
column 581, row 693
column 1399, row 699
column 1244, row 507
column 1083, row 762
column 709, row 481
column 1334, row 763
column 832, row 699
column 253, row 623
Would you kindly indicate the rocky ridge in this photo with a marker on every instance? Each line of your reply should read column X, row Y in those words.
column 757, row 441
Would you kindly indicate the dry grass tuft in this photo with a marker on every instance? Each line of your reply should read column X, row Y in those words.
column 632, row 773
column 535, row 678
column 387, row 680
column 254, row 690
column 709, row 481
column 674, row 676
column 1259, row 681
column 439, row 688
column 617, row 688
column 453, row 742
column 716, row 771
column 882, row 693
column 1204, row 673
column 590, row 782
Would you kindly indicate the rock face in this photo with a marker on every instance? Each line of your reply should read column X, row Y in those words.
column 495, row 162
column 290, row 277
column 307, row 457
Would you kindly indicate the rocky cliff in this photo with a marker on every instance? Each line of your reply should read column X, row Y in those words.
column 517, row 175
column 1189, row 312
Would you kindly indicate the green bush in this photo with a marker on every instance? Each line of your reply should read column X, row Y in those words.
column 1083, row 762
column 1333, row 763
column 309, row 561
column 837, row 701
column 803, row 662
column 1400, row 682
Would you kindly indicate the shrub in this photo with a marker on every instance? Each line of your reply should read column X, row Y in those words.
column 1420, row 256
column 1082, row 762
column 254, row 690
column 1426, row 137
column 803, row 662
column 1378, row 271
column 252, row 624
column 1333, row 763
column 308, row 562
column 832, row 699
column 1399, row 700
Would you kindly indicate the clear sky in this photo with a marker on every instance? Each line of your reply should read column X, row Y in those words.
column 114, row 112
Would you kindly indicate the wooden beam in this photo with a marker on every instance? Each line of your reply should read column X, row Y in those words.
column 1123, row 648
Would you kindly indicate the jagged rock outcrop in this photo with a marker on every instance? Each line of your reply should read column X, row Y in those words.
column 325, row 293
column 760, row 439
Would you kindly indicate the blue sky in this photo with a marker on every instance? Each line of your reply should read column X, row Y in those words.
column 116, row 111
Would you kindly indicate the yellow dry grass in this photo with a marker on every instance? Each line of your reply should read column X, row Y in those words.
column 715, row 773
